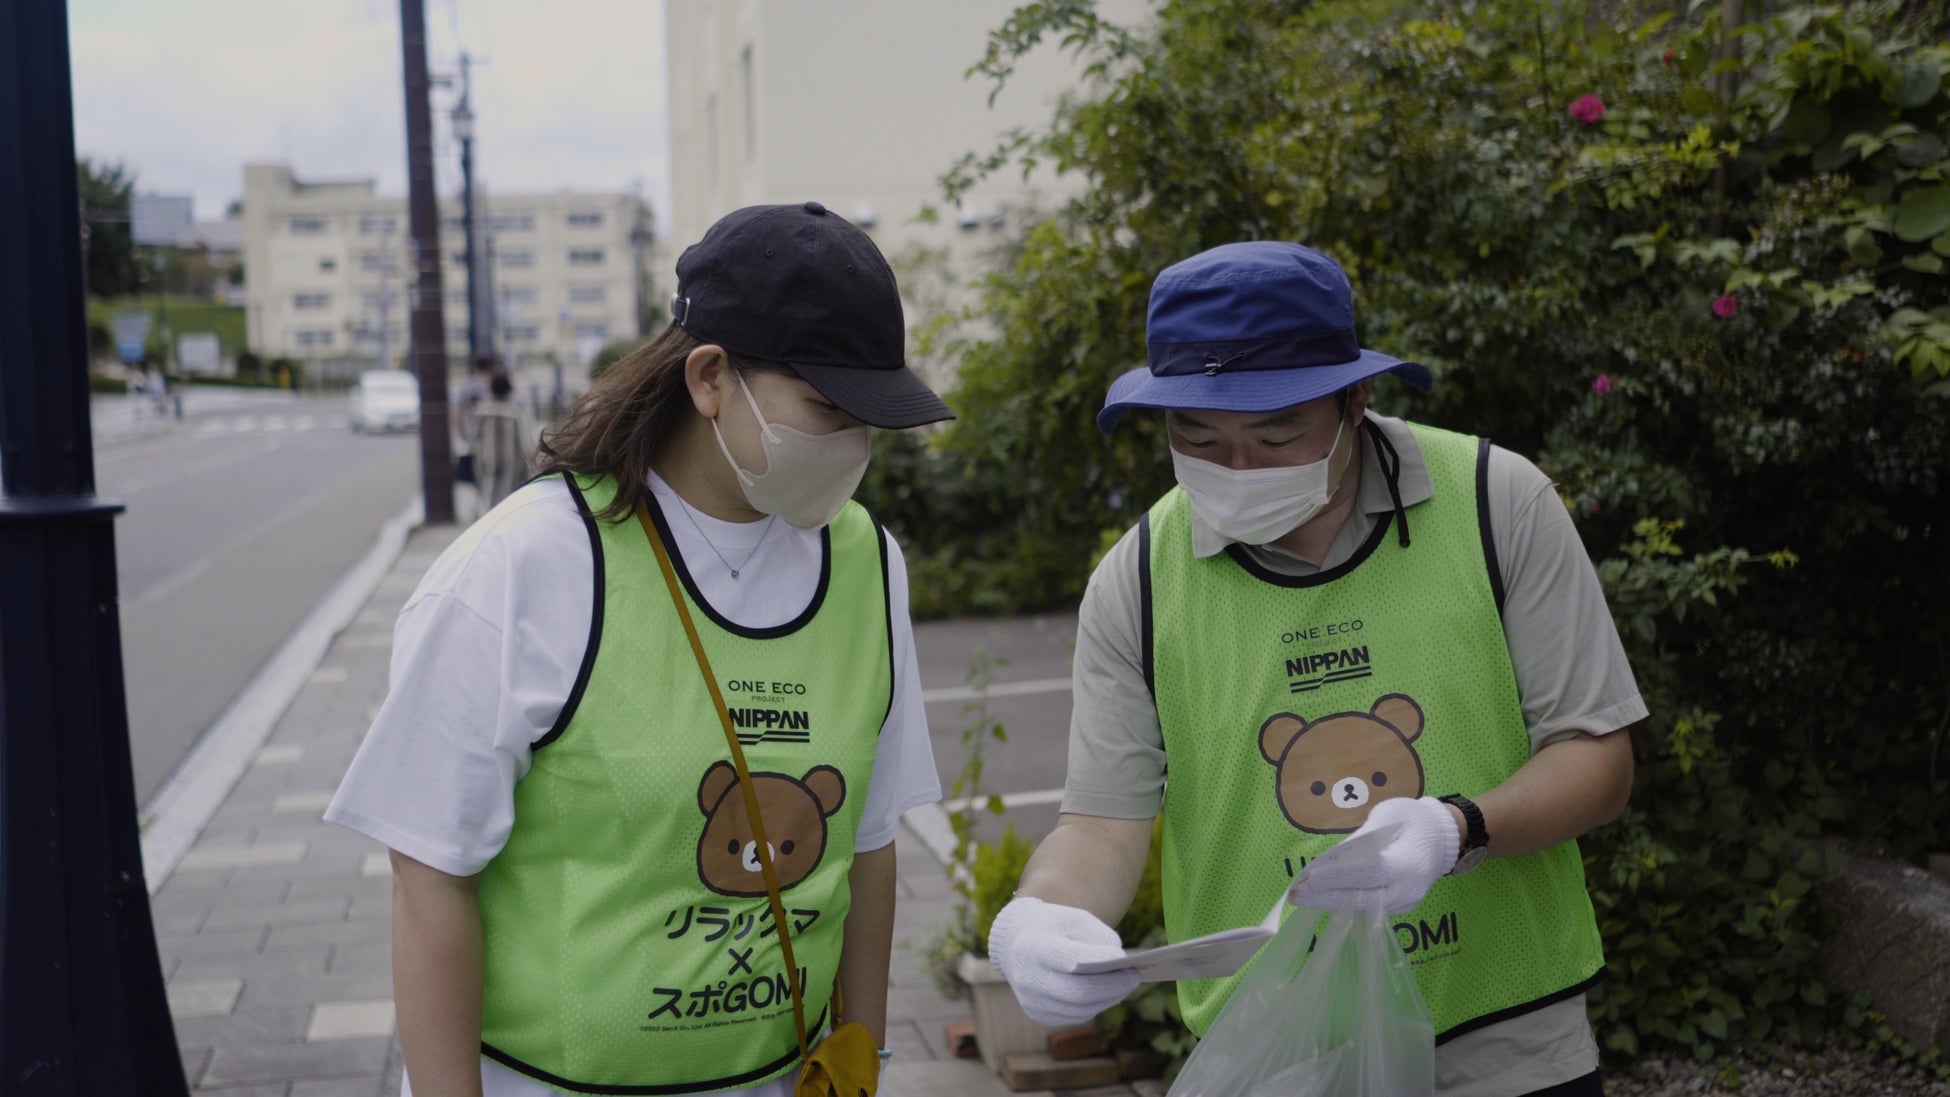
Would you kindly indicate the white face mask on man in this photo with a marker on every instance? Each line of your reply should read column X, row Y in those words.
column 1257, row 506
column 808, row 477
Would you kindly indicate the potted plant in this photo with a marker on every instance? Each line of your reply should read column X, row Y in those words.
column 1145, row 1029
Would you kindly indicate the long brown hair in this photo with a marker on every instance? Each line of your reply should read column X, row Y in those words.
column 625, row 421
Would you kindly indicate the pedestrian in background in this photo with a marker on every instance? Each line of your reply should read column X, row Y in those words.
column 499, row 436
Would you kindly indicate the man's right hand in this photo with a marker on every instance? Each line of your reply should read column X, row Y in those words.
column 1036, row 944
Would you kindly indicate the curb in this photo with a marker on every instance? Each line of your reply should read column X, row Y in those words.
column 176, row 814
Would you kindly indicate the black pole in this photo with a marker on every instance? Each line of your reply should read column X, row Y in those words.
column 82, row 1009
column 429, row 324
column 470, row 254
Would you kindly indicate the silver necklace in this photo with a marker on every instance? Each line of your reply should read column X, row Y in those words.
column 685, row 507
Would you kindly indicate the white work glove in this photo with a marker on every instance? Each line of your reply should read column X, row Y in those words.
column 1036, row 944
column 1426, row 847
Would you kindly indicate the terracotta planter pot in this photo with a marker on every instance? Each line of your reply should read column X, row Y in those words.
column 1002, row 1029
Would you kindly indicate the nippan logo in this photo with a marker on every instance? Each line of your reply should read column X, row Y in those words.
column 1307, row 673
column 772, row 725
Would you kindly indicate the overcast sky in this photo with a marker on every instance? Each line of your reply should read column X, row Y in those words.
column 568, row 94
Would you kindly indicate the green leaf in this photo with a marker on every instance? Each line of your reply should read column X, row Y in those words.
column 1918, row 87
column 1699, row 101
column 1924, row 264
column 1922, row 214
column 1922, row 150
column 1862, row 246
column 1714, row 1024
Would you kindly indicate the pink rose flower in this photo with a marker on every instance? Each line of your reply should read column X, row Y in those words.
column 1592, row 509
column 1587, row 108
column 1725, row 305
column 1666, row 58
column 1602, row 386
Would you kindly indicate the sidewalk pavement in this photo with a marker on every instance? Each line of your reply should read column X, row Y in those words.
column 274, row 929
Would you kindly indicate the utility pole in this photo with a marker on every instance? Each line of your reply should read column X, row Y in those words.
column 429, row 324
column 81, row 990
column 463, row 123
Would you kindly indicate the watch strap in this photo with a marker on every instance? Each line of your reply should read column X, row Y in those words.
column 1476, row 835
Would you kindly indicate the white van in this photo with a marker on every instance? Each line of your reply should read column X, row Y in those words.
column 386, row 400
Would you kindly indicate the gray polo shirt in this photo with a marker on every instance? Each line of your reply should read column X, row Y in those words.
column 1571, row 675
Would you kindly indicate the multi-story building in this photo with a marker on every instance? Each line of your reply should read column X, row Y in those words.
column 861, row 106
column 329, row 273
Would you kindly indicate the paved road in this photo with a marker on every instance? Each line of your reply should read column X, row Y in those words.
column 239, row 518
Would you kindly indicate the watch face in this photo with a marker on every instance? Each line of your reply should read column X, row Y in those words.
column 1470, row 859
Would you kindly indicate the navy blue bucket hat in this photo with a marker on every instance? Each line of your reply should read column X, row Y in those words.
column 1251, row 327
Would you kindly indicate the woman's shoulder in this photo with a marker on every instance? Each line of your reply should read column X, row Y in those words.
column 535, row 534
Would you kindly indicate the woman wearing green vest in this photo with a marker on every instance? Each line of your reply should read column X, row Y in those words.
column 1274, row 637
column 579, row 897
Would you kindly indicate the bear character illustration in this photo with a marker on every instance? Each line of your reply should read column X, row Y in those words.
column 794, row 811
column 1331, row 772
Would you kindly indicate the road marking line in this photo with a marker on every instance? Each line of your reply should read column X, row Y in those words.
column 174, row 582
column 176, row 814
column 1038, row 798
column 996, row 689
column 929, row 822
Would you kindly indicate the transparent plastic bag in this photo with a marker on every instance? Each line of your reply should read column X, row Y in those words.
column 1345, row 1021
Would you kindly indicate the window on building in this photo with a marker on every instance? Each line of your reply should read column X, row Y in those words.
column 372, row 260
column 515, row 259
column 378, row 226
column 328, row 266
column 309, row 226
column 711, row 137
column 313, row 339
column 457, row 297
column 598, row 332
column 309, row 301
column 586, row 219
column 588, row 295
column 520, row 295
column 586, row 257
column 749, row 83
column 512, row 222
column 527, row 334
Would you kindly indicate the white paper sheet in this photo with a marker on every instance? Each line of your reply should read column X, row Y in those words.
column 1217, row 955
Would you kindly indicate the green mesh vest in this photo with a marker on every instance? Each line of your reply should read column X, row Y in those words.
column 629, row 945
column 1291, row 705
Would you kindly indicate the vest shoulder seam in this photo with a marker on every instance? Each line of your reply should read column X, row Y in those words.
column 588, row 665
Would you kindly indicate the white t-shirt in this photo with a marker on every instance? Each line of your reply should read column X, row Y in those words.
column 487, row 649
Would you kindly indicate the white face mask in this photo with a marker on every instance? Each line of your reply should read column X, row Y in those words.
column 1256, row 506
column 808, row 477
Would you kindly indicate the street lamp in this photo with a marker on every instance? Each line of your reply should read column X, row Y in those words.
column 462, row 120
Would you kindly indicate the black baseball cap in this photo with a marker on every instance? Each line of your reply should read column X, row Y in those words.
column 802, row 285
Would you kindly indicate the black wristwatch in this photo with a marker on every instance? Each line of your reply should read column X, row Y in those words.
column 1476, row 842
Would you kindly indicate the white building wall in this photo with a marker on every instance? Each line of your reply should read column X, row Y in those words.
column 863, row 106
column 328, row 267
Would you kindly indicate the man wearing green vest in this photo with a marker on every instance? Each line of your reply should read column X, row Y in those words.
column 1336, row 620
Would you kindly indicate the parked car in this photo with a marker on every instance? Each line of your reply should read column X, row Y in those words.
column 386, row 400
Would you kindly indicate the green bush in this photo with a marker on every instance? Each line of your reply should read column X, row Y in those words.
column 1717, row 319
column 611, row 353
